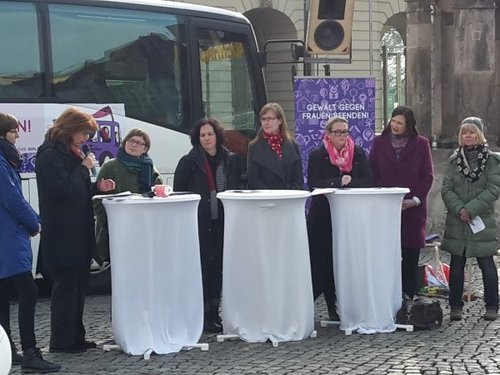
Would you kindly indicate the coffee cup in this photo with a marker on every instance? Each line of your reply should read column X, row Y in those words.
column 162, row 190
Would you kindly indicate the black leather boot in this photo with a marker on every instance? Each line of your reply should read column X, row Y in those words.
column 17, row 359
column 213, row 323
column 33, row 362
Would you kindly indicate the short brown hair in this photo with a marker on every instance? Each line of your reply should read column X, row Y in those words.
column 7, row 123
column 136, row 132
column 72, row 121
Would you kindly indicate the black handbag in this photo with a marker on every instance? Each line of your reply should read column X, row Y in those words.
column 421, row 313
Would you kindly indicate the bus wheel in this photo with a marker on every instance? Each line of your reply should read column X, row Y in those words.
column 100, row 278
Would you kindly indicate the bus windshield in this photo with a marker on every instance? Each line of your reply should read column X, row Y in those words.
column 157, row 66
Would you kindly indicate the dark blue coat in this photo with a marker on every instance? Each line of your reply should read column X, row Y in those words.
column 17, row 222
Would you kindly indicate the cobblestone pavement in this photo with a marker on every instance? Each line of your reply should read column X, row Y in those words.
column 471, row 346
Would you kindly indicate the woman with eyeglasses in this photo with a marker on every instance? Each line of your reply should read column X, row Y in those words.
column 338, row 163
column 19, row 223
column 401, row 158
column 133, row 171
column 206, row 170
column 68, row 238
column 273, row 160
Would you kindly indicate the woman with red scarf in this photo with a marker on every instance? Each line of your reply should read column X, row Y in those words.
column 338, row 163
column 206, row 170
column 273, row 156
column 67, row 241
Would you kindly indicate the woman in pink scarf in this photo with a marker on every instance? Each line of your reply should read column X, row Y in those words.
column 338, row 162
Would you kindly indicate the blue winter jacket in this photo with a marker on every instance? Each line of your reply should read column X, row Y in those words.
column 17, row 221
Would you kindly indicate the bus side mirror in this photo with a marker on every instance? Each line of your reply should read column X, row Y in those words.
column 262, row 57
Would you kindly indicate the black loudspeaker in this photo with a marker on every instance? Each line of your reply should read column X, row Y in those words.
column 329, row 28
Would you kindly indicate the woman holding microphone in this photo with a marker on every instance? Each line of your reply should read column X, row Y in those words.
column 68, row 238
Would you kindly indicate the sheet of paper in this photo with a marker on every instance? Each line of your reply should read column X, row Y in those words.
column 319, row 191
column 476, row 224
column 117, row 195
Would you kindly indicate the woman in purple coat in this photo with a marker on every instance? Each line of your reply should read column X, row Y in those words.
column 401, row 158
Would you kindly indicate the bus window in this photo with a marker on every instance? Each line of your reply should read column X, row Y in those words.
column 123, row 56
column 227, row 91
column 20, row 63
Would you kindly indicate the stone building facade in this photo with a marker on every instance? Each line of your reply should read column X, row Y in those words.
column 451, row 47
column 285, row 19
column 451, row 53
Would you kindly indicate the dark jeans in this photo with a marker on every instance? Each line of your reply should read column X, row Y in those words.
column 409, row 270
column 27, row 293
column 490, row 281
column 69, row 286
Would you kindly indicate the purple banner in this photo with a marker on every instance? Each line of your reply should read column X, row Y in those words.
column 319, row 98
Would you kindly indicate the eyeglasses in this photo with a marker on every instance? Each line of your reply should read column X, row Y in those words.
column 264, row 119
column 339, row 133
column 15, row 131
column 134, row 142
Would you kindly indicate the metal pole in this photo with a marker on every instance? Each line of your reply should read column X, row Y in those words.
column 306, row 66
column 384, row 84
column 370, row 42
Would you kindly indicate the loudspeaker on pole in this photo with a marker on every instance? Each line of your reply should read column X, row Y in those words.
column 329, row 28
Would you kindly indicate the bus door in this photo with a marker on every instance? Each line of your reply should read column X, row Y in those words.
column 229, row 77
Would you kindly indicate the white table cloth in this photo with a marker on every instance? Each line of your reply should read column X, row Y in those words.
column 366, row 233
column 157, row 295
column 267, row 291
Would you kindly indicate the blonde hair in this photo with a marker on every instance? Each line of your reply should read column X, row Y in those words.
column 276, row 109
column 333, row 120
column 481, row 139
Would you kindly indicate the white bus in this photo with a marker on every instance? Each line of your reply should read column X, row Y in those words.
column 157, row 65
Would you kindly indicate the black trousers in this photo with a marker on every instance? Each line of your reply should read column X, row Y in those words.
column 319, row 232
column 490, row 281
column 211, row 265
column 27, row 292
column 69, row 286
column 409, row 270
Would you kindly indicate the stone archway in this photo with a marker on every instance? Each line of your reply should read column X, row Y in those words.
column 271, row 24
column 393, row 60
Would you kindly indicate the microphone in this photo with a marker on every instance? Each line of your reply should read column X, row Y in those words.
column 86, row 151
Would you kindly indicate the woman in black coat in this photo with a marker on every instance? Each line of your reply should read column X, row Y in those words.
column 273, row 156
column 206, row 170
column 68, row 237
column 338, row 163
